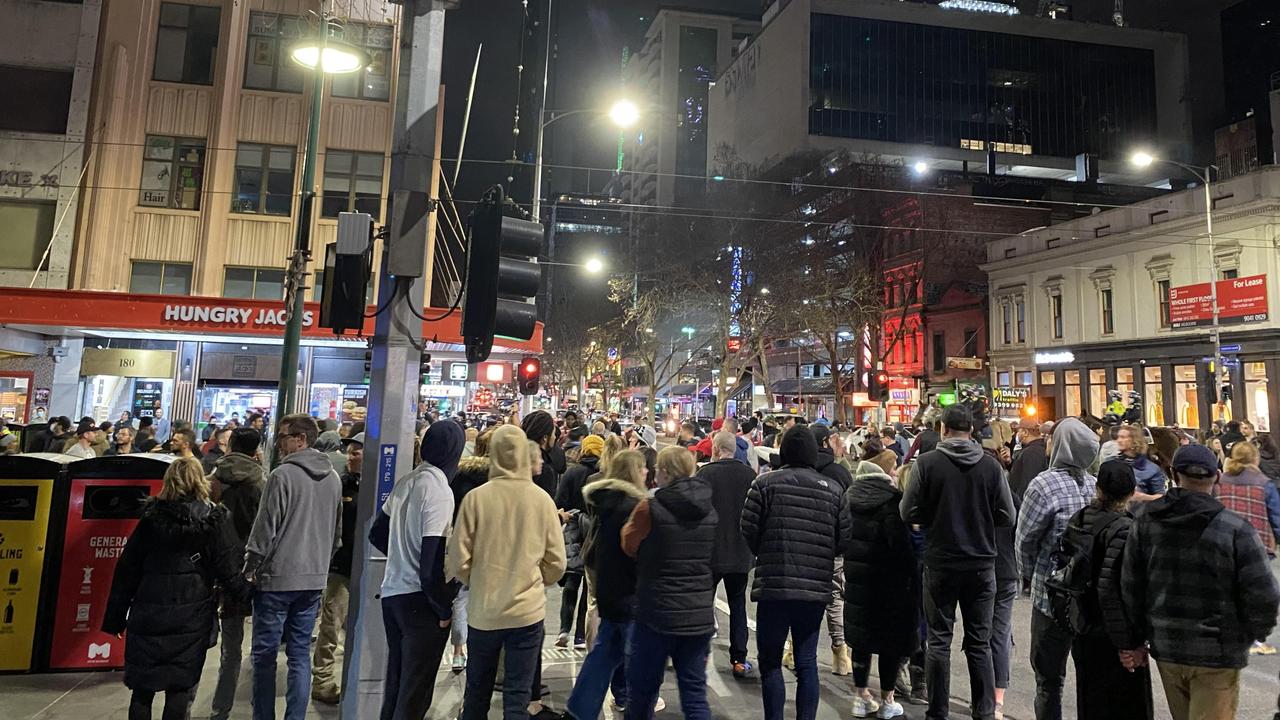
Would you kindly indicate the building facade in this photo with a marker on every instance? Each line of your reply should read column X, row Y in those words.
column 1120, row 300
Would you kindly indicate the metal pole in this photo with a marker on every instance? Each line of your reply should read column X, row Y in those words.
column 295, row 278
column 542, row 126
column 466, row 117
column 1213, row 287
column 397, row 341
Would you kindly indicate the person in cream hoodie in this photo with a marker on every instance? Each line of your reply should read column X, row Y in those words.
column 507, row 547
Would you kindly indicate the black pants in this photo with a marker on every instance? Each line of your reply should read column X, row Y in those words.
column 1050, row 648
column 735, row 589
column 974, row 591
column 415, row 644
column 1104, row 689
column 569, row 597
column 862, row 669
column 176, row 704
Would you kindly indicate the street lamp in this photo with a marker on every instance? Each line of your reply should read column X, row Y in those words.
column 593, row 265
column 1204, row 174
column 622, row 113
column 322, row 55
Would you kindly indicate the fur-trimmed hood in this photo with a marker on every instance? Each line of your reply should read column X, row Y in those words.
column 474, row 464
column 602, row 495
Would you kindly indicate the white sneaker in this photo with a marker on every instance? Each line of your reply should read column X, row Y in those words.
column 865, row 707
column 890, row 710
column 660, row 705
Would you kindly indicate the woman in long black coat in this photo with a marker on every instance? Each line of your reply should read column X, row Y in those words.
column 163, row 590
column 880, row 601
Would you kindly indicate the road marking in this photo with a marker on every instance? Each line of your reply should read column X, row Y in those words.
column 723, row 607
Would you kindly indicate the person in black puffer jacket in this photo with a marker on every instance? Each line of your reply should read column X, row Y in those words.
column 613, row 575
column 793, row 525
column 163, row 590
column 671, row 536
column 881, row 586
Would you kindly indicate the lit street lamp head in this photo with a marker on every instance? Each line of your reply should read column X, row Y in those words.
column 624, row 113
column 593, row 265
column 333, row 57
column 1142, row 159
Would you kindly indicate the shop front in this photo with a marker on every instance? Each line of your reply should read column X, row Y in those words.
column 17, row 397
column 136, row 381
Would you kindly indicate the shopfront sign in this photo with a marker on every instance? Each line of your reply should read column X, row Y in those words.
column 459, row 371
column 1240, row 300
column 441, row 391
column 355, row 403
column 127, row 363
column 1055, row 357
column 964, row 363
column 229, row 316
column 1010, row 398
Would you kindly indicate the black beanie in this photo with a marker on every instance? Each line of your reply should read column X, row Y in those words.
column 1115, row 480
column 538, row 425
column 798, row 447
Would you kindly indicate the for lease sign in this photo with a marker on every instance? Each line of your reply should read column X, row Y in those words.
column 1240, row 300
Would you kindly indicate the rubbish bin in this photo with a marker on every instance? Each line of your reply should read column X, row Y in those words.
column 27, row 485
column 106, row 497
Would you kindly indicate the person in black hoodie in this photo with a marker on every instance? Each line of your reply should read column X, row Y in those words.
column 731, row 559
column 613, row 575
column 163, row 590
column 793, row 525
column 841, row 662
column 671, row 536
column 330, row 633
column 958, row 495
column 1030, row 461
column 237, row 482
column 881, row 587
column 1105, row 689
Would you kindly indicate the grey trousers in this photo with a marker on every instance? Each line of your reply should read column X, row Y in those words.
column 231, row 650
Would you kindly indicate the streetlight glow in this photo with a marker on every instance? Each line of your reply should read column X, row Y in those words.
column 1142, row 159
column 593, row 265
column 624, row 113
column 920, row 167
column 333, row 57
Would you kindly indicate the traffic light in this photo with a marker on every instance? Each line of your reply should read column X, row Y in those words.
column 1209, row 381
column 503, row 276
column 424, row 369
column 529, row 374
column 878, row 386
column 346, row 274
column 368, row 364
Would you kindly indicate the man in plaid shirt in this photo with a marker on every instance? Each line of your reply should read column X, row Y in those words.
column 1197, row 584
column 1052, row 498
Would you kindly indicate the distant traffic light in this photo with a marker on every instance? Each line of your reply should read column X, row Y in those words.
column 424, row 369
column 878, row 386
column 368, row 364
column 529, row 375
column 502, row 278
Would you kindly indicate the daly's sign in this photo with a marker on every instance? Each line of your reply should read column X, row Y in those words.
column 242, row 318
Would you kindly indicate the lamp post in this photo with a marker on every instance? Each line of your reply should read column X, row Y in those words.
column 1204, row 175
column 323, row 55
column 622, row 113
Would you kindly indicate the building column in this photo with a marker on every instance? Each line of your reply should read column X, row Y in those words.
column 64, row 396
column 1169, row 386
column 1273, row 398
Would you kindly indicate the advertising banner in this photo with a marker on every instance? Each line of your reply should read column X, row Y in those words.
column 1240, row 300
column 355, row 403
column 1011, row 399
column 24, row 522
column 100, row 518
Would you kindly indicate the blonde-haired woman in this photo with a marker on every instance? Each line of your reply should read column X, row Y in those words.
column 163, row 590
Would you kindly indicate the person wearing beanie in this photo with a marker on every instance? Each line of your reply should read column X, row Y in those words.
column 507, row 547
column 540, row 427
column 881, row 587
column 1105, row 688
column 793, row 525
column 571, row 505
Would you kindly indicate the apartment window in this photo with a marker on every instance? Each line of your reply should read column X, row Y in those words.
column 264, row 179
column 267, row 64
column 374, row 81
column 1006, row 322
column 256, row 283
column 172, row 172
column 1108, row 312
column 186, row 43
column 1055, row 312
column 939, row 352
column 352, row 183
column 34, row 100
column 160, row 278
column 970, row 348
column 28, row 228
column 1230, row 274
column 1020, row 309
column 1162, row 296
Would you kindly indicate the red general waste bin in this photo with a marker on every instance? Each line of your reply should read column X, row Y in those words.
column 106, row 499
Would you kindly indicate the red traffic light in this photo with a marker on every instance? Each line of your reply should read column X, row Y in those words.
column 882, row 378
column 530, row 374
column 530, row 368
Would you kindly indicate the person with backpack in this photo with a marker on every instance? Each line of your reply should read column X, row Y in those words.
column 1052, row 498
column 1092, row 606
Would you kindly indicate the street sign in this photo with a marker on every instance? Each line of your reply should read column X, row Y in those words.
column 1230, row 348
column 612, row 354
column 386, row 473
column 964, row 363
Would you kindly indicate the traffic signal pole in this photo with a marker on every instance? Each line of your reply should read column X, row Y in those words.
column 397, row 339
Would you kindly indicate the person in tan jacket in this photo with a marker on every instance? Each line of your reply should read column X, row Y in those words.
column 507, row 547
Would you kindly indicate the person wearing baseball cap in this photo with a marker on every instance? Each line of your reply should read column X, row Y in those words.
column 1197, row 588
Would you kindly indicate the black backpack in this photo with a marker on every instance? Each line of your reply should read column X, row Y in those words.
column 1072, row 585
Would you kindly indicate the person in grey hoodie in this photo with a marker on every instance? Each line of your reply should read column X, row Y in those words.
column 958, row 495
column 294, row 537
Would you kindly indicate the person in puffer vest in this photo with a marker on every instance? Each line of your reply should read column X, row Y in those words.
column 671, row 535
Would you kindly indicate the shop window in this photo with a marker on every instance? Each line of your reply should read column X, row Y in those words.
column 352, row 183
column 939, row 352
column 267, row 62
column 172, row 172
column 1162, row 297
column 1108, row 312
column 374, row 81
column 1020, row 309
column 1154, row 395
column 1006, row 323
column 1255, row 393
column 264, row 179
column 1124, row 383
column 1097, row 392
column 15, row 394
column 1186, row 396
column 28, row 229
column 255, row 283
column 186, row 43
column 1055, row 313
column 160, row 278
column 1048, row 378
column 46, row 99
column 1071, row 381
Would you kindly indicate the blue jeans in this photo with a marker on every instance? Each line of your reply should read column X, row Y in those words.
column 598, row 670
column 774, row 620
column 647, row 662
column 290, row 616
column 523, row 648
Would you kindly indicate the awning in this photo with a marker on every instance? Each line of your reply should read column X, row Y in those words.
column 807, row 386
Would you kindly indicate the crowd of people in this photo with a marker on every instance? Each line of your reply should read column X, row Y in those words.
column 1129, row 555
